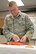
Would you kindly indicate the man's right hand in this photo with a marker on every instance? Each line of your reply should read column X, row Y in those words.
column 15, row 38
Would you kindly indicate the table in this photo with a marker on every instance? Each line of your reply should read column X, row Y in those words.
column 14, row 49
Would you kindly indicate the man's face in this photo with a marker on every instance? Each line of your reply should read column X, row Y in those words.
column 13, row 10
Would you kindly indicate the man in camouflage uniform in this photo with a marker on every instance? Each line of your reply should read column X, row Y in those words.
column 17, row 25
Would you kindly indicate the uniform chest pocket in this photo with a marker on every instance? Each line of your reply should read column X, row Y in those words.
column 9, row 24
column 22, row 23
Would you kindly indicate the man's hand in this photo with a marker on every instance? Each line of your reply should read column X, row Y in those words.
column 23, row 39
column 16, row 38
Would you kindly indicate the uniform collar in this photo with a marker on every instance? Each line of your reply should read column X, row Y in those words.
column 19, row 13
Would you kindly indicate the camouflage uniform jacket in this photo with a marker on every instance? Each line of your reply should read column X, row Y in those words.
column 20, row 25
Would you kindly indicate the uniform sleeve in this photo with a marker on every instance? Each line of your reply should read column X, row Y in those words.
column 6, row 31
column 29, row 26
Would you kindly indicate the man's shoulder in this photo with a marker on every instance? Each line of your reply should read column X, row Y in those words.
column 8, row 15
column 23, row 14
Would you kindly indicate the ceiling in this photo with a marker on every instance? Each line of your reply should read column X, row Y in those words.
column 27, row 4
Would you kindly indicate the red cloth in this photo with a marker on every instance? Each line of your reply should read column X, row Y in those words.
column 12, row 43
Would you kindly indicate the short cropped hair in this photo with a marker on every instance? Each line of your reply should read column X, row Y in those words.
column 12, row 3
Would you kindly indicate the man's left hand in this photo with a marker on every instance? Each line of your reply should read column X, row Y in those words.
column 23, row 39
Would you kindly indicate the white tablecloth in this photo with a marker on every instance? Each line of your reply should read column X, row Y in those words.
column 12, row 49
